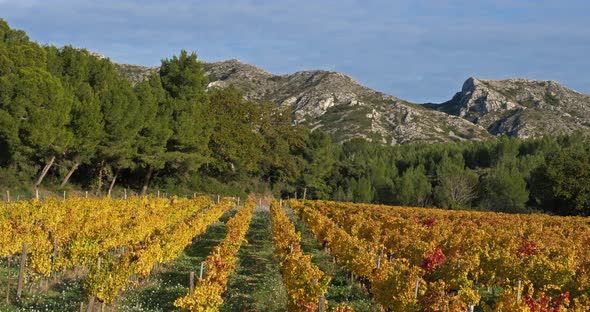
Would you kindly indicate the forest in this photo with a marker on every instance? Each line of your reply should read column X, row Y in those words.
column 69, row 121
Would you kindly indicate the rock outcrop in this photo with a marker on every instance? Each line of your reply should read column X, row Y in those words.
column 342, row 107
column 339, row 105
column 520, row 107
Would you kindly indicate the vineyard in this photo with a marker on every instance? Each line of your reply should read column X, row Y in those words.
column 217, row 255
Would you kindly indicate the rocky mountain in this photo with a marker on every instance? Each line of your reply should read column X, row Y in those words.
column 520, row 107
column 342, row 107
column 345, row 109
column 136, row 73
column 336, row 103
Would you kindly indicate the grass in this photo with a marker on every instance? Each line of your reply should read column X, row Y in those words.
column 341, row 289
column 158, row 292
column 256, row 283
column 63, row 296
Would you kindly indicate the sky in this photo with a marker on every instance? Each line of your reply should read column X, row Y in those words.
column 421, row 50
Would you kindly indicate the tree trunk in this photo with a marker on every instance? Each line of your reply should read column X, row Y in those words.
column 44, row 171
column 113, row 182
column 146, row 182
column 67, row 178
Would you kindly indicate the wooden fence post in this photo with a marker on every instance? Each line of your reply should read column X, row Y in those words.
column 21, row 271
column 322, row 304
column 55, row 245
column 7, row 290
column 519, row 292
column 191, row 284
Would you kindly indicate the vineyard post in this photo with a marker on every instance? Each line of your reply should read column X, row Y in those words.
column 158, row 194
column 8, row 288
column 17, row 197
column 90, row 307
column 471, row 308
column 191, row 284
column 281, row 202
column 37, row 193
column 64, row 195
column 322, row 304
column 86, row 197
column 202, row 269
column 218, row 198
column 53, row 274
column 304, row 193
column 125, row 193
column 416, row 288
column 8, row 196
column 21, row 271
column 238, row 200
column 518, row 293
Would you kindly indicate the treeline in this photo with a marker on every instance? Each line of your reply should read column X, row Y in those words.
column 65, row 114
column 68, row 117
column 506, row 174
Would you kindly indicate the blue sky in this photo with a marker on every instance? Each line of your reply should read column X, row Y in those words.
column 419, row 50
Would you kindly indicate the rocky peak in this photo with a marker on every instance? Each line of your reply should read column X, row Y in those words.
column 520, row 107
column 336, row 103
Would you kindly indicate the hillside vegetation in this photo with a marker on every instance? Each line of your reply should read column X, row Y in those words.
column 70, row 121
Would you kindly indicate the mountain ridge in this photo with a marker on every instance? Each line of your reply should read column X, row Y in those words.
column 344, row 108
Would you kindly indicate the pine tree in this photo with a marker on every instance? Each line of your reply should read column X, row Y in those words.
column 505, row 189
column 185, row 82
column 413, row 188
column 156, row 130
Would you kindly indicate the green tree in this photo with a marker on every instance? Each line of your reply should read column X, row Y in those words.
column 562, row 185
column 123, row 121
column 457, row 185
column 156, row 130
column 504, row 189
column 42, row 107
column 319, row 164
column 74, row 67
column 279, row 166
column 185, row 82
column 413, row 188
column 362, row 190
column 235, row 145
